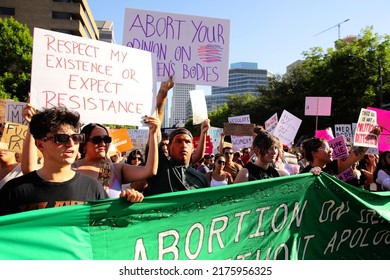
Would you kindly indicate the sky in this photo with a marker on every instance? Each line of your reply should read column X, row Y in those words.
column 272, row 33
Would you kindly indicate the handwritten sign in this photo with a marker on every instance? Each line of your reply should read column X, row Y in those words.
column 287, row 127
column 120, row 139
column 271, row 123
column 14, row 112
column 105, row 83
column 139, row 138
column 240, row 142
column 340, row 151
column 366, row 123
column 209, row 144
column 199, row 106
column 195, row 50
column 14, row 135
column 345, row 130
column 324, row 133
column 238, row 129
column 318, row 106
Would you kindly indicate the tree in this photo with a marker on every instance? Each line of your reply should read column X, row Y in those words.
column 15, row 59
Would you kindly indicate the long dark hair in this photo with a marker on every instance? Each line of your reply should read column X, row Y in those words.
column 133, row 154
column 382, row 165
column 87, row 130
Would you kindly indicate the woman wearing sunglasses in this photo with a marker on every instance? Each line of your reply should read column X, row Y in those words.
column 93, row 160
column 218, row 177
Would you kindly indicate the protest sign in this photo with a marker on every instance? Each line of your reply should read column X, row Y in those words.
column 345, row 130
column 383, row 119
column 215, row 136
column 318, row 106
column 120, row 139
column 105, row 83
column 199, row 106
column 340, row 151
column 287, row 128
column 14, row 135
column 240, row 142
column 325, row 133
column 209, row 144
column 238, row 129
column 300, row 217
column 195, row 50
column 3, row 110
column 139, row 138
column 271, row 123
column 14, row 112
column 366, row 123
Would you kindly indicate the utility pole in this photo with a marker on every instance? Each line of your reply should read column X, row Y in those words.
column 337, row 25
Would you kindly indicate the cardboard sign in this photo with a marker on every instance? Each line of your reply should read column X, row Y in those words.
column 366, row 123
column 238, row 129
column 120, row 139
column 14, row 135
column 318, row 106
column 240, row 142
column 195, row 50
column 105, row 83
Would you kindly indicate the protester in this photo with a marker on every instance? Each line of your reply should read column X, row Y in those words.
column 176, row 173
column 237, row 158
column 201, row 167
column 218, row 177
column 318, row 153
column 9, row 167
column 382, row 172
column 135, row 157
column 93, row 160
column 266, row 147
column 209, row 161
column 57, row 137
column 367, row 165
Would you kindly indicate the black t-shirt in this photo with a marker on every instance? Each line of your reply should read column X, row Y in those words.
column 331, row 168
column 258, row 173
column 172, row 178
column 30, row 192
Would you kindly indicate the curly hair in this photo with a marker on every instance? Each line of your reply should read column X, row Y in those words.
column 51, row 120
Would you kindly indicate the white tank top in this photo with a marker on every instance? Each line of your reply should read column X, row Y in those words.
column 215, row 183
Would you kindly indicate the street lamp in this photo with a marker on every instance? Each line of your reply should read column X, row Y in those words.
column 379, row 69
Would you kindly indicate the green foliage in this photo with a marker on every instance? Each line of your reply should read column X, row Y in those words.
column 15, row 59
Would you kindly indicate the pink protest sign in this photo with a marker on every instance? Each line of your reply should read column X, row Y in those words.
column 326, row 134
column 383, row 120
column 318, row 106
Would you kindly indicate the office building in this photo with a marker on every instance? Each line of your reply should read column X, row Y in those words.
column 106, row 30
column 67, row 16
column 244, row 77
column 180, row 97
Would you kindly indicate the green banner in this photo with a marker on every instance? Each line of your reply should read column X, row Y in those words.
column 293, row 217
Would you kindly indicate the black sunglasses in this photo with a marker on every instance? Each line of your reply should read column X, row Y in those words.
column 98, row 139
column 222, row 162
column 64, row 138
column 227, row 153
column 134, row 158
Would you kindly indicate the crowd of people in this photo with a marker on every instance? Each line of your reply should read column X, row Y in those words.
column 65, row 163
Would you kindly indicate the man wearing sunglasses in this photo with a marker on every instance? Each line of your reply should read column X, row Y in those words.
column 56, row 134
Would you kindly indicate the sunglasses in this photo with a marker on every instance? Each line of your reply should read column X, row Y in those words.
column 227, row 153
column 98, row 139
column 64, row 138
column 221, row 162
column 136, row 158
